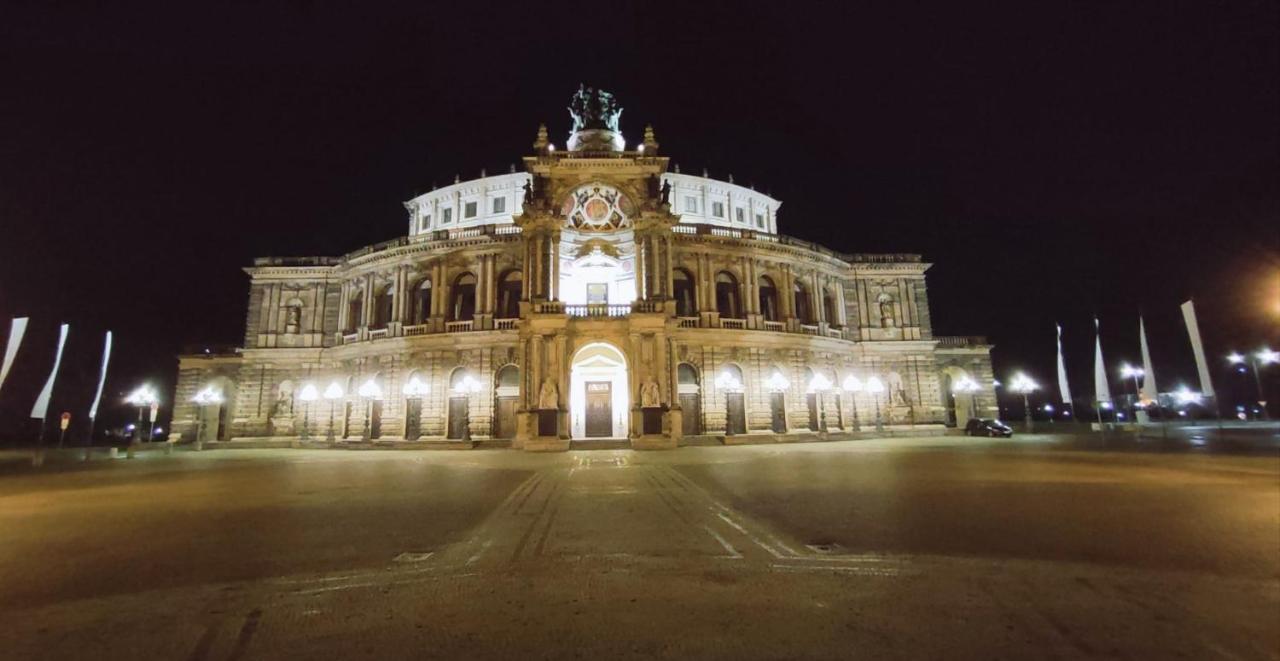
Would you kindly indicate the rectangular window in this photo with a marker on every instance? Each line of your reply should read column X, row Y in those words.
column 424, row 222
column 597, row 293
column 499, row 205
column 469, row 210
column 446, row 216
column 690, row 204
column 759, row 220
column 717, row 209
column 740, row 215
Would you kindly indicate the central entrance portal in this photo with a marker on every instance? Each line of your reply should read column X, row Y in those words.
column 599, row 422
column 598, row 393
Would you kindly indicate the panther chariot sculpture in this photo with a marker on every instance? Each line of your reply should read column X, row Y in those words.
column 595, row 114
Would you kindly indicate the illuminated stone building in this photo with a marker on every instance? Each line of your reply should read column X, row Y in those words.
column 596, row 295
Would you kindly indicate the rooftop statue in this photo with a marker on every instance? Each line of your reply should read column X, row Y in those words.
column 594, row 109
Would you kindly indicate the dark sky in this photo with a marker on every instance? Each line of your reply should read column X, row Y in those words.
column 1052, row 161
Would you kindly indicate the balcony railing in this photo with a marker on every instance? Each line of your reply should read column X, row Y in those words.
column 962, row 341
column 776, row 326
column 686, row 322
column 505, row 324
column 598, row 310
column 736, row 324
column 418, row 329
column 459, row 326
column 809, row 329
column 377, row 333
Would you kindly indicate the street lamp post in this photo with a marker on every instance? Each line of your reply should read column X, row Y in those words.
column 819, row 385
column 1024, row 385
column 332, row 393
column 853, row 386
column 308, row 394
column 144, row 397
column 1130, row 372
column 467, row 386
column 1265, row 356
column 875, row 386
column 728, row 384
column 207, row 396
column 368, row 391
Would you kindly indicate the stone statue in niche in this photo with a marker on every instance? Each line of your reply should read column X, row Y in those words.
column 548, row 397
column 650, row 397
column 886, row 312
column 897, row 390
column 284, row 403
column 293, row 318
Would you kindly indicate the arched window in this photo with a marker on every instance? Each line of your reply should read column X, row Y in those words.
column 462, row 303
column 804, row 309
column 382, row 306
column 685, row 292
column 355, row 311
column 509, row 295
column 829, row 308
column 728, row 300
column 422, row 302
column 768, row 298
column 687, row 377
column 886, row 311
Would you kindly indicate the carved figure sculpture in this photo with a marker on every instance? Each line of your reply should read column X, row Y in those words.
column 548, row 398
column 650, row 397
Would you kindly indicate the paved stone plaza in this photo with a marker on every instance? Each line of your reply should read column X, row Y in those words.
column 904, row 548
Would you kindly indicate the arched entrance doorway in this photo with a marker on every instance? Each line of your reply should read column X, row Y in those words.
column 960, row 405
column 690, row 393
column 506, row 393
column 598, row 393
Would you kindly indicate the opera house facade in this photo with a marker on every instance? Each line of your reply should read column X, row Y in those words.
column 598, row 295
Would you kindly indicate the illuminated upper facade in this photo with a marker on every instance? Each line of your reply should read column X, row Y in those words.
column 594, row 295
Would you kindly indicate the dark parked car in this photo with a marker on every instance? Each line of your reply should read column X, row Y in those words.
column 988, row 427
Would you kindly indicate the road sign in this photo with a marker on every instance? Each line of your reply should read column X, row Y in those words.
column 66, row 420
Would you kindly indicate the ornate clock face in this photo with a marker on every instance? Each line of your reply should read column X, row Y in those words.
column 597, row 207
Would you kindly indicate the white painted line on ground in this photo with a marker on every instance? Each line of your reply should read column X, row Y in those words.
column 857, row 571
column 772, row 551
column 485, row 547
column 733, row 553
column 408, row 556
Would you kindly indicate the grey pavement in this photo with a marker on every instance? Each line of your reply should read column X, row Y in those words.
column 904, row 548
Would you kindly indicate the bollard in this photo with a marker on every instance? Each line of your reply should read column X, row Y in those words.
column 115, row 452
column 128, row 453
column 37, row 458
column 87, row 450
column 168, row 448
column 199, row 445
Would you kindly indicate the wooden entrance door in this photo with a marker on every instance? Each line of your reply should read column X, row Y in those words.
column 413, row 419
column 505, row 423
column 457, row 417
column 691, row 420
column 737, row 413
column 777, row 412
column 812, row 400
column 375, row 418
column 599, row 419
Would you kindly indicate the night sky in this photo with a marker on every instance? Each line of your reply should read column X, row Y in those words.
column 1051, row 161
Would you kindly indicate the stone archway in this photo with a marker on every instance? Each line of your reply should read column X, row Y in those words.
column 960, row 406
column 598, row 393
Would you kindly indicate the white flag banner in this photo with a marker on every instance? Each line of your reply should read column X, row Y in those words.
column 1148, row 392
column 1197, row 347
column 1102, row 392
column 102, row 378
column 41, row 409
column 16, row 330
column 1062, row 372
